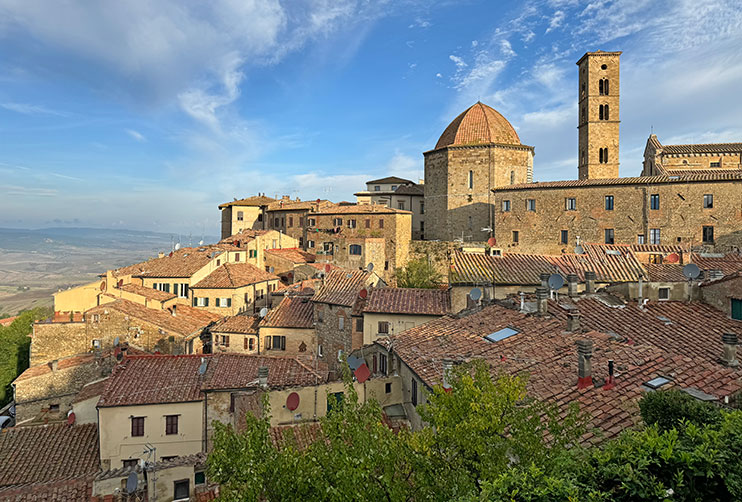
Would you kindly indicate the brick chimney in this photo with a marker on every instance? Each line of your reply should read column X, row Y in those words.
column 263, row 376
column 544, row 280
column 572, row 284
column 584, row 363
column 573, row 322
column 729, row 357
column 542, row 301
column 589, row 281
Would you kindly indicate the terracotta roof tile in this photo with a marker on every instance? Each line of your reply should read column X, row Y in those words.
column 293, row 254
column 342, row 287
column 302, row 435
column 297, row 205
column 292, row 312
column 8, row 321
column 234, row 275
column 390, row 179
column 93, row 389
column 361, row 209
column 409, row 301
column 257, row 200
column 305, row 287
column 186, row 321
column 234, row 371
column 241, row 323
column 183, row 263
column 47, row 453
column 243, row 236
column 149, row 293
column 68, row 490
column 702, row 148
column 478, row 124
column 665, row 272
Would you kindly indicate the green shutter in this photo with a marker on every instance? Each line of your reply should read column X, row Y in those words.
column 229, row 302
column 736, row 309
column 206, row 302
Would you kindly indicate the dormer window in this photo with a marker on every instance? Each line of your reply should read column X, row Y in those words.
column 377, row 188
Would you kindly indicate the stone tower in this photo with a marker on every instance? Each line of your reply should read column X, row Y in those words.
column 598, row 114
column 477, row 152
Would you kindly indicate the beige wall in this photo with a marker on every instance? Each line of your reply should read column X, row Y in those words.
column 117, row 444
column 231, row 225
column 78, row 299
column 243, row 299
column 55, row 340
column 294, row 338
column 397, row 324
column 236, row 342
column 86, row 411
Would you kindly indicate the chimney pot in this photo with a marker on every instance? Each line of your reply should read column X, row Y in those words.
column 173, row 310
column 584, row 363
column 573, row 322
column 572, row 284
column 263, row 376
column 542, row 301
column 729, row 356
column 544, row 280
column 447, row 367
column 589, row 281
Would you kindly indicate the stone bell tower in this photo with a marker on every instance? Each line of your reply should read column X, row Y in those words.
column 598, row 110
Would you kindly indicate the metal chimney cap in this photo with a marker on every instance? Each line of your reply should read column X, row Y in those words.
column 584, row 346
column 729, row 339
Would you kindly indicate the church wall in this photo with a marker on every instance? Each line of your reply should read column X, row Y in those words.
column 436, row 200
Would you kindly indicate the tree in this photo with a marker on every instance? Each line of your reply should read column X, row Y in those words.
column 418, row 274
column 14, row 346
column 667, row 408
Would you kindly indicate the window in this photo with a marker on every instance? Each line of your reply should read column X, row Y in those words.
column 382, row 364
column 604, row 67
column 516, row 236
column 277, row 222
column 96, row 317
column 655, row 258
column 422, row 207
column 283, row 222
column 183, row 290
column 394, row 187
column 338, row 222
column 422, row 226
column 603, row 87
column 201, row 302
column 530, row 204
column 53, row 408
column 570, row 204
column 359, row 324
column 413, row 391
column 355, row 249
column 275, row 243
column 252, row 253
column 708, row 234
column 736, row 309
column 715, row 164
column 512, row 177
column 506, row 206
column 301, row 221
column 328, row 247
column 654, row 201
column 311, row 222
column 383, row 327
column 171, row 424
column 654, row 236
column 334, row 401
column 199, row 478
column 137, row 426
column 130, row 463
column 603, row 112
column 240, row 216
column 224, row 340
column 377, row 188
column 310, row 244
column 181, row 490
column 96, row 344
column 664, row 294
column 565, row 237
column 641, row 239
column 275, row 342
column 471, row 180
column 351, row 223
column 224, row 302
column 609, row 202
column 341, row 323
column 249, row 343
column 291, row 221
column 471, row 223
column 609, row 238
column 381, row 223
column 603, row 155
column 400, row 204
column 386, row 265
column 388, row 388
column 162, row 286
column 708, row 201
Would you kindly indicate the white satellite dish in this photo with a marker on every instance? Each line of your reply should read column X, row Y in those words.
column 177, row 246
column 579, row 250
column 475, row 294
column 263, row 312
column 370, row 267
column 556, row 281
column 271, row 270
column 201, row 242
column 691, row 271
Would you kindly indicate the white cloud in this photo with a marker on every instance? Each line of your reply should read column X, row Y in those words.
column 556, row 21
column 460, row 64
column 136, row 135
column 474, row 43
column 30, row 109
column 506, row 49
column 420, row 23
column 438, row 75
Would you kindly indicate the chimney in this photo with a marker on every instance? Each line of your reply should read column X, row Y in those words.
column 729, row 357
column 611, row 382
column 542, row 301
column 573, row 322
column 263, row 376
column 589, row 281
column 447, row 367
column 584, row 363
column 173, row 310
column 572, row 285
column 160, row 254
column 544, row 280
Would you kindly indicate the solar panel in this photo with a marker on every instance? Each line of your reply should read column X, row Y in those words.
column 501, row 334
column 656, row 383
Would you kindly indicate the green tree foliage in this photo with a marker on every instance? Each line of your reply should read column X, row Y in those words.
column 666, row 409
column 418, row 274
column 14, row 345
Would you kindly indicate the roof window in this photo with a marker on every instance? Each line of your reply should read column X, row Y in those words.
column 656, row 383
column 501, row 334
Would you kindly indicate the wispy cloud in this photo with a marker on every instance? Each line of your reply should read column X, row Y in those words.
column 136, row 135
column 17, row 190
column 31, row 109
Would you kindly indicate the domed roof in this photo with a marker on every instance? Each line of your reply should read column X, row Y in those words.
column 479, row 124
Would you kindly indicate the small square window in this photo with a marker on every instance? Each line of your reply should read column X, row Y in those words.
column 199, row 478
column 137, row 426
column 530, row 204
column 181, row 490
column 388, row 388
column 570, row 204
column 564, row 237
column 505, row 206
column 516, row 236
column 708, row 201
column 664, row 294
column 383, row 328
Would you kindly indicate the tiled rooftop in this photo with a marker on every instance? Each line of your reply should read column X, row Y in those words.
column 182, row 263
column 91, row 390
column 241, row 323
column 235, row 371
column 342, row 287
column 409, row 301
column 360, row 209
column 234, row 275
column 292, row 312
column 702, row 148
column 149, row 293
column 389, row 179
column 293, row 254
column 478, row 124
column 47, row 453
column 186, row 321
column 257, row 200
column 305, row 287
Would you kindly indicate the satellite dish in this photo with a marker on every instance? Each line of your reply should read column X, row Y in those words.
column 363, row 293
column 556, row 281
column 132, row 482
column 475, row 294
column 202, row 368
column 201, row 242
column 492, row 242
column 691, row 271
column 370, row 267
column 292, row 402
column 263, row 312
column 103, row 286
column 672, row 258
column 327, row 268
column 71, row 418
column 177, row 246
column 579, row 250
column 271, row 270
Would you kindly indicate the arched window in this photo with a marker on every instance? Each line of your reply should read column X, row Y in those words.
column 355, row 249
column 603, row 112
column 600, row 87
column 605, row 86
column 512, row 177
column 603, row 155
column 471, row 179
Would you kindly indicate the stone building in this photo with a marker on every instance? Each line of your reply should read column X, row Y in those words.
column 672, row 160
column 398, row 193
column 289, row 216
column 244, row 214
column 477, row 152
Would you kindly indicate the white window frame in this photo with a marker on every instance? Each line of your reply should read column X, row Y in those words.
column 666, row 290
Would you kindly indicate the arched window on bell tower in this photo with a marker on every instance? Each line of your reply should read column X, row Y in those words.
column 603, row 112
column 603, row 87
column 471, row 180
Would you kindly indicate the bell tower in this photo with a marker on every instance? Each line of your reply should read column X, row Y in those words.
column 598, row 114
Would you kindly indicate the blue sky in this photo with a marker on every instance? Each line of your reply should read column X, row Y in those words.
column 147, row 115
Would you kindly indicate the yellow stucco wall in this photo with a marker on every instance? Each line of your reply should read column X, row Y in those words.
column 78, row 299
column 397, row 324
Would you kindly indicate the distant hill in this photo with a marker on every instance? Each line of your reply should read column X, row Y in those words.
column 36, row 263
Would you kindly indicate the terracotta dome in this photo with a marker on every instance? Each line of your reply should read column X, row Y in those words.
column 479, row 124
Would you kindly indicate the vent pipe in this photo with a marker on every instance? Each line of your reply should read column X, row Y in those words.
column 589, row 281
column 729, row 356
column 572, row 285
column 584, row 363
column 611, row 382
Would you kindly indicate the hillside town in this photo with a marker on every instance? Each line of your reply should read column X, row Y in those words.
column 601, row 289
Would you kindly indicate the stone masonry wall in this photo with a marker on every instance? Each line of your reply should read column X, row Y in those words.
column 720, row 294
column 52, row 341
column 329, row 334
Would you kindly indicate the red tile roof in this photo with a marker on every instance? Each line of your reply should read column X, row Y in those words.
column 48, row 453
column 8, row 321
column 409, row 301
column 149, row 293
column 68, row 490
column 297, row 205
column 298, row 435
column 341, row 287
column 241, row 323
column 292, row 312
column 257, row 200
column 295, row 255
column 183, row 263
column 234, row 275
column 639, row 180
column 478, row 124
column 665, row 272
column 510, row 268
column 244, row 236
column 93, row 389
column 159, row 379
column 307, row 287
column 702, row 148
column 728, row 264
column 389, row 180
column 360, row 209
column 186, row 321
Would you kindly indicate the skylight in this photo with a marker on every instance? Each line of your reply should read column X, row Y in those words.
column 658, row 382
column 501, row 334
